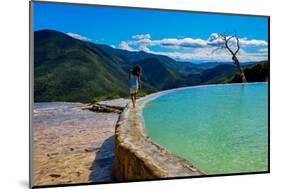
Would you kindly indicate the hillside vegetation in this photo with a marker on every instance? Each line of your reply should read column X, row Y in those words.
column 255, row 73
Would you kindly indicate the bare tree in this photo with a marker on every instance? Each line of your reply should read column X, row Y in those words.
column 234, row 40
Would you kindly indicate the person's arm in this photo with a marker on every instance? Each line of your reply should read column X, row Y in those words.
column 129, row 76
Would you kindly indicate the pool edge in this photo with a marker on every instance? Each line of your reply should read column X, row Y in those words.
column 137, row 157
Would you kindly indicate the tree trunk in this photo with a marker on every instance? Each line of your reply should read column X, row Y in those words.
column 236, row 62
column 243, row 77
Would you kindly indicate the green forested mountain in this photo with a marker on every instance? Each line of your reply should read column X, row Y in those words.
column 254, row 73
column 68, row 69
column 159, row 75
column 217, row 74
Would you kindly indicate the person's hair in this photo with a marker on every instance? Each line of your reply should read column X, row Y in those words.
column 136, row 70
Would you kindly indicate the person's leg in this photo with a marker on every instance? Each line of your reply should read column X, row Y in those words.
column 133, row 101
column 135, row 97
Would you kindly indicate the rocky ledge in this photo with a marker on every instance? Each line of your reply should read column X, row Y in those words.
column 137, row 157
column 72, row 144
column 110, row 106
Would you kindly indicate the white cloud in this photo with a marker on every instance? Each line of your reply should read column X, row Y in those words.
column 214, row 40
column 144, row 48
column 142, row 36
column 185, row 42
column 189, row 49
column 144, row 41
column 253, row 42
column 77, row 36
column 125, row 46
column 208, row 54
column 169, row 42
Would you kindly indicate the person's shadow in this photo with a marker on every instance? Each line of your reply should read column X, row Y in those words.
column 101, row 169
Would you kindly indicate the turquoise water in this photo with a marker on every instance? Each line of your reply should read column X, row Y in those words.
column 219, row 129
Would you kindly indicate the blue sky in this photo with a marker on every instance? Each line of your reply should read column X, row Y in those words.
column 183, row 36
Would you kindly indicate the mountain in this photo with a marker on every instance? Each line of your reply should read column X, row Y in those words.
column 68, row 69
column 159, row 75
column 227, row 73
column 131, row 56
column 217, row 74
column 254, row 73
column 188, row 68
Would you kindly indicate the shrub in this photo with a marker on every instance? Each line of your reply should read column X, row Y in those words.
column 141, row 94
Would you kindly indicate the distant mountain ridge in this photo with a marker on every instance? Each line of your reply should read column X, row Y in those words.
column 68, row 69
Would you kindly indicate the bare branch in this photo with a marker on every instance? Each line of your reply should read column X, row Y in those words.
column 226, row 39
column 219, row 48
column 238, row 45
column 226, row 45
column 223, row 37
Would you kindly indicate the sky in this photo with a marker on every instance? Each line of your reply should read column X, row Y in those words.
column 183, row 36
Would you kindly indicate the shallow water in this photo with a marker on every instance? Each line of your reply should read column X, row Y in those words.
column 219, row 129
